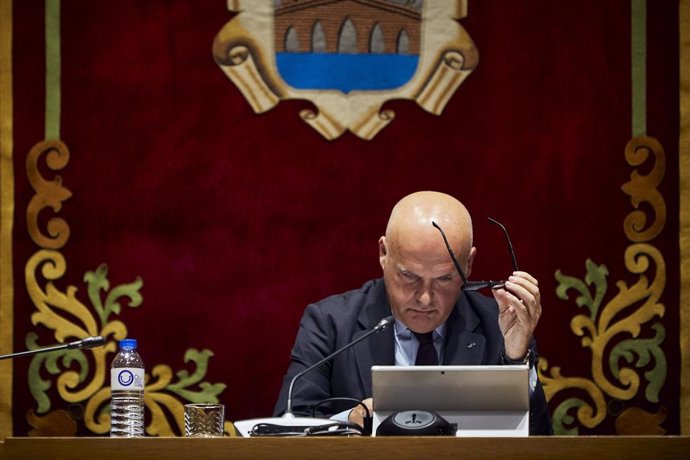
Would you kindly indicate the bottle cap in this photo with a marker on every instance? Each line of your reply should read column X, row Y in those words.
column 128, row 344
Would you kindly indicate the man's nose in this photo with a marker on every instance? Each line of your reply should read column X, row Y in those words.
column 425, row 294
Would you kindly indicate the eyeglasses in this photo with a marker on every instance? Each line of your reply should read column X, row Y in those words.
column 476, row 285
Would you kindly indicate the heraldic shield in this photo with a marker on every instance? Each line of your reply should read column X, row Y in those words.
column 348, row 57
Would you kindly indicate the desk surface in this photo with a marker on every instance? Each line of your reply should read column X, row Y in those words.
column 560, row 447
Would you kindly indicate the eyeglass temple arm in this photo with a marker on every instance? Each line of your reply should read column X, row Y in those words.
column 450, row 251
column 510, row 243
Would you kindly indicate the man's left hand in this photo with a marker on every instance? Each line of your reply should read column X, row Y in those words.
column 358, row 413
column 519, row 309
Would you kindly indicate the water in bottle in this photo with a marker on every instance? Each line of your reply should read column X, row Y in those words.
column 127, row 392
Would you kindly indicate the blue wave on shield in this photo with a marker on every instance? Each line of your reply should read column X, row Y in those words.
column 346, row 72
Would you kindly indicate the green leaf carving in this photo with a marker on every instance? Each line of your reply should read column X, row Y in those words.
column 95, row 282
column 645, row 350
column 209, row 392
column 38, row 386
column 596, row 275
column 561, row 418
column 98, row 281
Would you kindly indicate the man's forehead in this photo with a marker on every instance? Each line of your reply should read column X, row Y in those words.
column 426, row 254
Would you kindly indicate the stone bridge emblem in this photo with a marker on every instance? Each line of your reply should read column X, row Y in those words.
column 348, row 57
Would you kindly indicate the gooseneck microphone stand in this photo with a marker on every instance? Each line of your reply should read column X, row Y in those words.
column 89, row 342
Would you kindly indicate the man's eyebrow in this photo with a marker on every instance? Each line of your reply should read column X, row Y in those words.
column 406, row 271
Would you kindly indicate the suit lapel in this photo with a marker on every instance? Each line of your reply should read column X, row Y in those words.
column 463, row 345
column 379, row 349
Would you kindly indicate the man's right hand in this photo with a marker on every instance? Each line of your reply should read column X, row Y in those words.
column 357, row 413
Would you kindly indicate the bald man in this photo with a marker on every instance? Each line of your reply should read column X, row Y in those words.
column 422, row 289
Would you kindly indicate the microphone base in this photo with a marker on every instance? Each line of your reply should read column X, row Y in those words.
column 278, row 426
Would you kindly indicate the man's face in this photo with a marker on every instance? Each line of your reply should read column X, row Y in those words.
column 422, row 283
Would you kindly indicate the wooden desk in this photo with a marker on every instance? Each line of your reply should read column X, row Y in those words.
column 557, row 447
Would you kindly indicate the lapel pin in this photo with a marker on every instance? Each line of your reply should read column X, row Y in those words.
column 471, row 345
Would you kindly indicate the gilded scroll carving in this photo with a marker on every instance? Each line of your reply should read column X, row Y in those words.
column 49, row 194
column 80, row 378
column 642, row 188
column 89, row 384
column 622, row 332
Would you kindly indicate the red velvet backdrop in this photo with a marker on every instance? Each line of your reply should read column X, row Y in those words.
column 235, row 221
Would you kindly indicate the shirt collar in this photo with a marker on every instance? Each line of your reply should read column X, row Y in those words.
column 403, row 332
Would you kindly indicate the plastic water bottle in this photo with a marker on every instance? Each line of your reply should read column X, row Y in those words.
column 127, row 392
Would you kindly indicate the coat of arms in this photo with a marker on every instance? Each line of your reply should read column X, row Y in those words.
column 346, row 56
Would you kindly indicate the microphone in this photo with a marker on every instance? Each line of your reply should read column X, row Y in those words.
column 89, row 342
column 381, row 326
column 83, row 344
column 288, row 424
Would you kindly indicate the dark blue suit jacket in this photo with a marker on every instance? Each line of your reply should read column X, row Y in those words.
column 338, row 320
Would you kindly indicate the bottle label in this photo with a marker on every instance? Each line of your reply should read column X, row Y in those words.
column 126, row 378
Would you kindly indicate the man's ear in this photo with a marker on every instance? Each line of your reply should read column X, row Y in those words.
column 383, row 252
column 470, row 261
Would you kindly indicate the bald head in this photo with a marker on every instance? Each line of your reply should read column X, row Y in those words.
column 410, row 222
column 421, row 281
